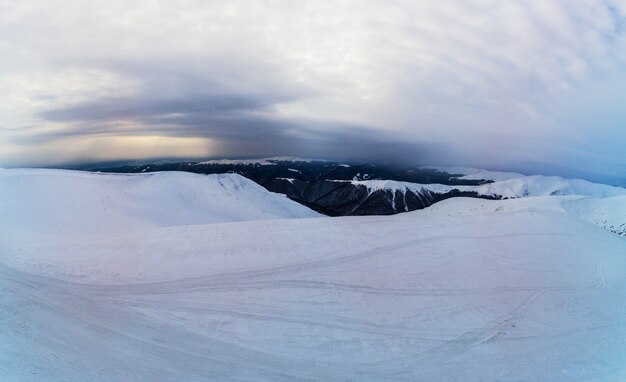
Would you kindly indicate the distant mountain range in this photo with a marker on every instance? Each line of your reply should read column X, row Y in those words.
column 340, row 189
column 332, row 188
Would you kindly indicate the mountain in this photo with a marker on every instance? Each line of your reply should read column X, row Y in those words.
column 307, row 170
column 73, row 202
column 170, row 277
column 340, row 189
column 327, row 186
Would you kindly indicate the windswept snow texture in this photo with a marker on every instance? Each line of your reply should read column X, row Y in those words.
column 466, row 290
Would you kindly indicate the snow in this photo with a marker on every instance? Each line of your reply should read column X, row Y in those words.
column 471, row 173
column 294, row 159
column 467, row 290
column 64, row 202
column 392, row 185
column 538, row 185
column 609, row 213
column 512, row 186
column 260, row 161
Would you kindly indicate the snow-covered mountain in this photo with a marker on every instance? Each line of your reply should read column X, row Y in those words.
column 500, row 186
column 503, row 185
column 271, row 161
column 340, row 189
column 65, row 201
column 171, row 277
column 513, row 185
column 609, row 213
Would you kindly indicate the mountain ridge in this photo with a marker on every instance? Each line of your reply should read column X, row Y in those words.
column 343, row 189
column 84, row 202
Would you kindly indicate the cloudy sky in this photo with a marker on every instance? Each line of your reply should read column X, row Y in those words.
column 534, row 86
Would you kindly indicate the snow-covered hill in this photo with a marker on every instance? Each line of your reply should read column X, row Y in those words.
column 338, row 189
column 513, row 185
column 526, row 289
column 506, row 185
column 609, row 213
column 71, row 202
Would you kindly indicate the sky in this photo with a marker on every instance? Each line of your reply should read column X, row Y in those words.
column 536, row 86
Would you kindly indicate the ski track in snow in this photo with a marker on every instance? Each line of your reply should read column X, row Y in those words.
column 467, row 290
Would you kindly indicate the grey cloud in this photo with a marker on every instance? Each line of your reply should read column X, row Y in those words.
column 149, row 109
column 507, row 84
column 241, row 124
column 240, row 117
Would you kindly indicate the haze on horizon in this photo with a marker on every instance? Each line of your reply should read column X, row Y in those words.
column 535, row 86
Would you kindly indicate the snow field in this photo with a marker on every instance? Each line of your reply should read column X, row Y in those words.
column 523, row 289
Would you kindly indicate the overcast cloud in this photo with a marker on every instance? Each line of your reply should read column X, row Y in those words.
column 535, row 86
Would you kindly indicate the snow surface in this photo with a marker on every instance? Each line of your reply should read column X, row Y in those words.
column 71, row 202
column 506, row 186
column 477, row 173
column 393, row 185
column 466, row 290
column 609, row 213
column 260, row 161
column 539, row 185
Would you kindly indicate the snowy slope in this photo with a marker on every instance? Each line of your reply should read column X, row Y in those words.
column 171, row 277
column 466, row 290
column 73, row 202
column 477, row 173
column 609, row 213
column 539, row 185
column 603, row 205
column 506, row 185
column 393, row 185
column 514, row 185
column 502, row 186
